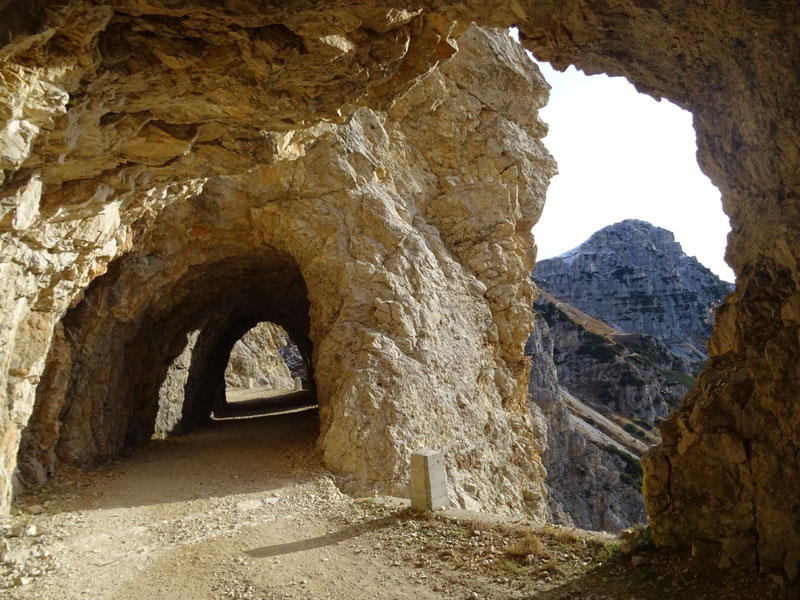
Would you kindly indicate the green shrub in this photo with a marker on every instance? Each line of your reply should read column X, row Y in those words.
column 629, row 379
column 679, row 378
column 599, row 348
column 634, row 430
column 632, row 472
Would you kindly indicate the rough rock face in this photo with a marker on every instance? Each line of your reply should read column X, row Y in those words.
column 215, row 89
column 257, row 358
column 632, row 375
column 386, row 245
column 632, row 378
column 296, row 363
column 636, row 278
column 584, row 483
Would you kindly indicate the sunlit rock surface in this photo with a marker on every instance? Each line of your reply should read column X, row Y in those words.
column 390, row 245
column 112, row 111
column 256, row 359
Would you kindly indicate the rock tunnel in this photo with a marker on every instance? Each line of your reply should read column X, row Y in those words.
column 366, row 174
column 119, row 349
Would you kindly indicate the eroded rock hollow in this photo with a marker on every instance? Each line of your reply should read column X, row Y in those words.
column 366, row 175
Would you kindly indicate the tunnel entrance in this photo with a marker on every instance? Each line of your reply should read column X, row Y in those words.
column 144, row 354
column 266, row 358
column 266, row 375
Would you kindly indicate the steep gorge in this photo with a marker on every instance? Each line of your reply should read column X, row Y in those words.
column 175, row 144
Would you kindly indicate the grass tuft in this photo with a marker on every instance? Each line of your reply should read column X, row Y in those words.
column 529, row 545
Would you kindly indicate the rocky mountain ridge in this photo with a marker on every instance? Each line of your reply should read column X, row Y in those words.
column 600, row 390
column 636, row 277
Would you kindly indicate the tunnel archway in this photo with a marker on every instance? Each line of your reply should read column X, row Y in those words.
column 266, row 357
column 396, row 279
column 266, row 374
column 165, row 357
column 77, row 172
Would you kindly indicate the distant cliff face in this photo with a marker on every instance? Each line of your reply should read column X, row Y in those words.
column 620, row 321
column 633, row 376
column 635, row 277
column 586, row 471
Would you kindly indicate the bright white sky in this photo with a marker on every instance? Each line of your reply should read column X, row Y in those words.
column 623, row 155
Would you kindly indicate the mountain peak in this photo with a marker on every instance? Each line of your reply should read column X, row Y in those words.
column 634, row 276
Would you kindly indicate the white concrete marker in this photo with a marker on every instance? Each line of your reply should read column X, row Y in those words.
column 428, row 481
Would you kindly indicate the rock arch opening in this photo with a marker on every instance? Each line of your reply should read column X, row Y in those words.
column 624, row 155
column 266, row 357
column 266, row 374
column 116, row 112
column 624, row 312
column 146, row 349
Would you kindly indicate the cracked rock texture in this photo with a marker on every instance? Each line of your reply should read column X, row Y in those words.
column 389, row 244
column 113, row 112
column 257, row 359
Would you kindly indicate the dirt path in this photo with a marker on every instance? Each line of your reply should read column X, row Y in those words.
column 243, row 509
column 245, row 402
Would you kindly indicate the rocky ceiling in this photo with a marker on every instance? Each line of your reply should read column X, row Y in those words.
column 368, row 170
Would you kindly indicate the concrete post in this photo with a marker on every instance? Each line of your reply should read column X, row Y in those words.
column 428, row 481
column 298, row 384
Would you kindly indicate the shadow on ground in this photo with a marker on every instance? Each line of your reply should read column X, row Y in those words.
column 223, row 458
column 329, row 539
column 267, row 405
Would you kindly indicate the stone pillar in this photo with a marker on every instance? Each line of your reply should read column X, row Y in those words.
column 428, row 481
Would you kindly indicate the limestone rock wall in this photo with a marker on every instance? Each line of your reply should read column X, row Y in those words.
column 389, row 245
column 169, row 418
column 99, row 135
column 111, row 114
column 298, row 365
column 257, row 357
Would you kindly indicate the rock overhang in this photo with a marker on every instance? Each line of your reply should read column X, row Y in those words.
column 83, row 151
